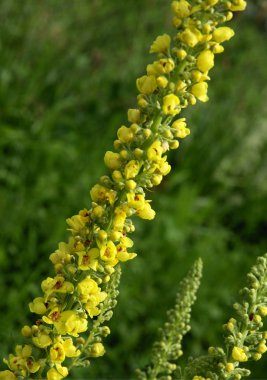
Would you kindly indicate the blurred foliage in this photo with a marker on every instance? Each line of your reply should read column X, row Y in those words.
column 67, row 77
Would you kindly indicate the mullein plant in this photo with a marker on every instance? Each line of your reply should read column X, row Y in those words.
column 244, row 335
column 168, row 349
column 76, row 302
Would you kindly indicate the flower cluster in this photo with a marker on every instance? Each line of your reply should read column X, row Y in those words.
column 168, row 349
column 73, row 299
column 245, row 338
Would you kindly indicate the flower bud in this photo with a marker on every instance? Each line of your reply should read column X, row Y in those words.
column 222, row 34
column 239, row 354
column 147, row 84
column 205, row 61
column 130, row 184
column 26, row 331
column 162, row 82
column 229, row 367
column 256, row 356
column 125, row 134
column 102, row 235
column 134, row 115
column 161, row 44
column 171, row 105
column 262, row 348
column 263, row 310
column 105, row 331
column 181, row 54
column 112, row 160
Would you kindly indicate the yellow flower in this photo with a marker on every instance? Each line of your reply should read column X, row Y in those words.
column 97, row 350
column 162, row 66
column 23, row 361
column 222, row 34
column 32, row 366
column 7, row 375
column 155, row 151
column 62, row 254
column 180, row 128
column 190, row 37
column 88, row 260
column 119, row 218
column 70, row 323
column 112, row 160
column 125, row 134
column 78, row 222
column 86, row 288
column 180, row 86
column 240, row 5
column 57, row 353
column 53, row 374
column 161, row 44
column 56, row 285
column 100, row 193
column 108, row 253
column 181, row 8
column 70, row 350
column 131, row 169
column 146, row 212
column 239, row 354
column 163, row 166
column 205, row 61
column 75, row 223
column 199, row 90
column 15, row 363
column 57, row 373
column 170, row 105
column 84, row 215
column 91, row 294
column 91, row 309
column 135, row 201
column 147, row 84
column 24, row 351
column 165, row 65
column 52, row 316
column 37, row 306
column 43, row 340
column 123, row 255
column 126, row 241
column 62, row 370
column 162, row 82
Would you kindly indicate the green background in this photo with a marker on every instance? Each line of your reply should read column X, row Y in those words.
column 67, row 77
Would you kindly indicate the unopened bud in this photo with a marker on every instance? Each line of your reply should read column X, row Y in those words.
column 26, row 331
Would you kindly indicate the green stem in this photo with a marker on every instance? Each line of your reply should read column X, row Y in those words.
column 156, row 123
